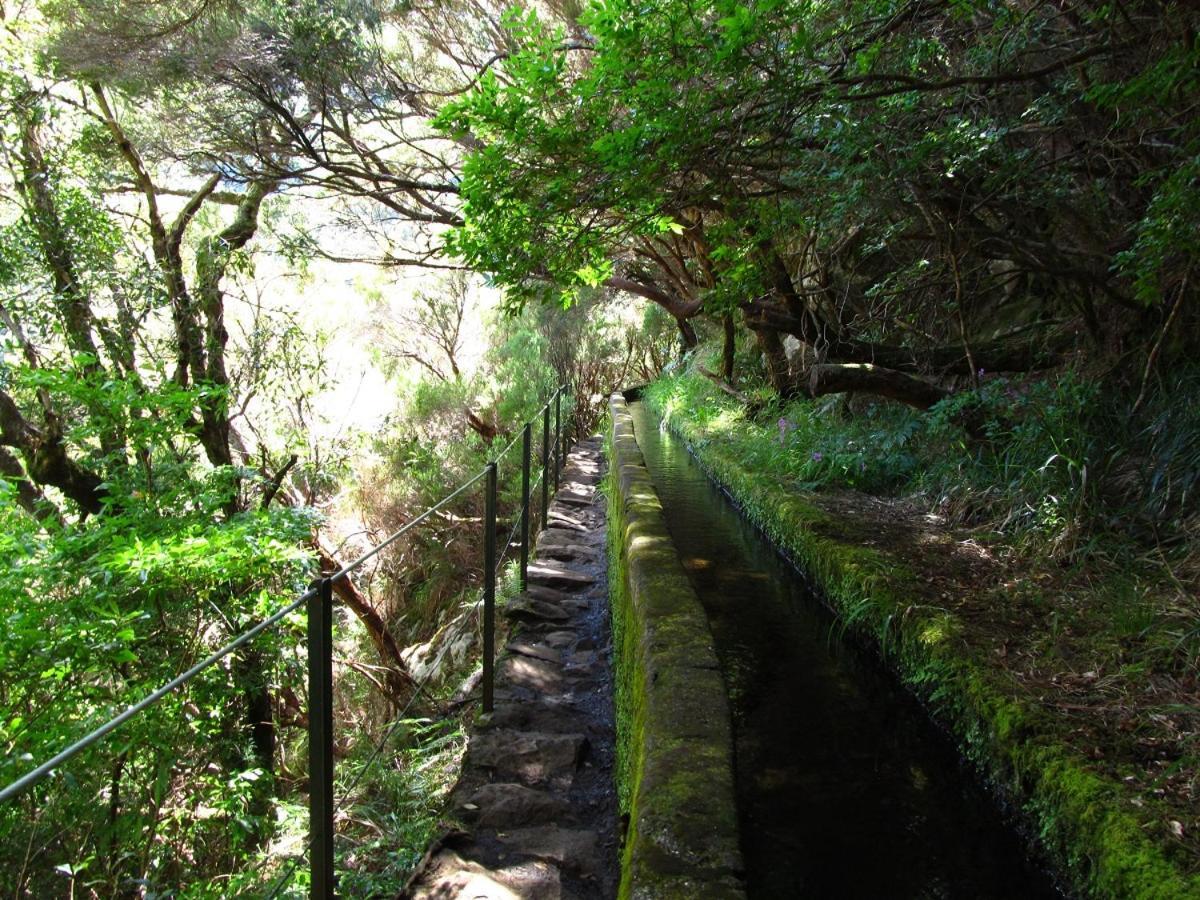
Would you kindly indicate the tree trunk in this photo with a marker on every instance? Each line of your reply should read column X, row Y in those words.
column 776, row 361
column 835, row 378
column 46, row 458
column 1016, row 353
column 399, row 682
column 687, row 334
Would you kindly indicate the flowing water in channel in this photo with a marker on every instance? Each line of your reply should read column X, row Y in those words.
column 845, row 789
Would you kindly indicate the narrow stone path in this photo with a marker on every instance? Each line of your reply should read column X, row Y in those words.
column 537, row 788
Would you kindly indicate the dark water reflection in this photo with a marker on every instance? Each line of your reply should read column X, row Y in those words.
column 845, row 788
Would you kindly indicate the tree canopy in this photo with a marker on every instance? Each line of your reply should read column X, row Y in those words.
column 927, row 188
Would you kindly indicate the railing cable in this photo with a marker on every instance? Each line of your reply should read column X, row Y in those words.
column 33, row 776
column 322, row 590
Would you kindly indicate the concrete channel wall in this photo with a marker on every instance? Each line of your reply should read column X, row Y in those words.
column 675, row 743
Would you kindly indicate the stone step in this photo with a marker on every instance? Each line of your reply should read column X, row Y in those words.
column 556, row 537
column 532, row 756
column 507, row 805
column 557, row 518
column 570, row 849
column 559, row 639
column 575, row 498
column 551, row 576
column 528, row 790
column 524, row 608
column 536, row 674
column 569, row 553
column 449, row 875
column 535, row 650
column 545, row 715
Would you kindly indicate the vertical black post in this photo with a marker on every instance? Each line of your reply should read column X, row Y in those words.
column 557, row 435
column 320, row 740
column 545, row 464
column 489, row 590
column 566, row 431
column 526, row 440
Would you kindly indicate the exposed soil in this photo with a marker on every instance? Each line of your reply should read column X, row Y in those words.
column 1119, row 669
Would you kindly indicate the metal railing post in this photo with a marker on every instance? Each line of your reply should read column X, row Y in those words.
column 489, row 590
column 557, row 435
column 320, row 740
column 526, row 442
column 545, row 464
column 566, row 435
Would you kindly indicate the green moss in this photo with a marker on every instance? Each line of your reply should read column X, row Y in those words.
column 1086, row 822
column 674, row 742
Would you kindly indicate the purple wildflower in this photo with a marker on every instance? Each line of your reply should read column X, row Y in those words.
column 816, row 457
column 785, row 425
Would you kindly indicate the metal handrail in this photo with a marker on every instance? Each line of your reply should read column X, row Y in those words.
column 35, row 775
column 319, row 597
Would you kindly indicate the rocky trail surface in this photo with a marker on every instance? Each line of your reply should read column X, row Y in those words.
column 537, row 790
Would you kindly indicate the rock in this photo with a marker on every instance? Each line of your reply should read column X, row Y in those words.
column 546, row 716
column 505, row 805
column 557, row 537
column 449, row 875
column 575, row 498
column 537, row 651
column 559, row 639
column 535, row 674
column 524, row 608
column 557, row 598
column 529, row 755
column 582, row 659
column 556, row 577
column 570, row 848
column 569, row 553
column 558, row 519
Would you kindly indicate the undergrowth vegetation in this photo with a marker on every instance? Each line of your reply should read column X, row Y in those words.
column 1052, row 552
column 1059, row 469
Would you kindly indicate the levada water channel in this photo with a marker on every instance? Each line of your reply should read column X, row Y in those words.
column 844, row 786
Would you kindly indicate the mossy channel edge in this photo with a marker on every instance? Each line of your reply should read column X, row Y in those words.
column 1076, row 813
column 674, row 739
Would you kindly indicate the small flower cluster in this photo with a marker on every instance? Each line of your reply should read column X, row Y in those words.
column 786, row 427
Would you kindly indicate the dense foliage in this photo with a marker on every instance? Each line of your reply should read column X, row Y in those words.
column 911, row 191
column 930, row 202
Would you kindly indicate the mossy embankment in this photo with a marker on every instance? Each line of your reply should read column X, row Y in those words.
column 674, row 744
column 1109, row 839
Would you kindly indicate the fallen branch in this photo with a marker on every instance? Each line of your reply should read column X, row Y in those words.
column 837, row 378
column 398, row 679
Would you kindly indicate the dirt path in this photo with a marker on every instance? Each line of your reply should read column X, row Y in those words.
column 537, row 790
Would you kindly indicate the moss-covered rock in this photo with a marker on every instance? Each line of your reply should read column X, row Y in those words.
column 675, row 744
